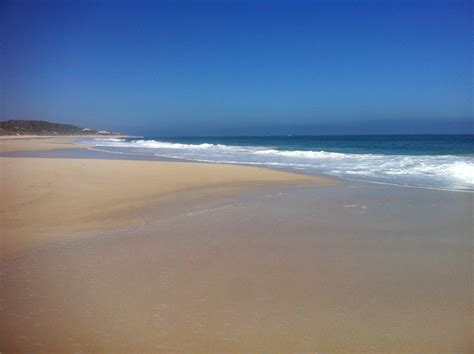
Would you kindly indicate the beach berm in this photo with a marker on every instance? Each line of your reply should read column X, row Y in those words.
column 46, row 199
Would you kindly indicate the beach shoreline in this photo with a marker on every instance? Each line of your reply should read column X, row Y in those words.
column 166, row 256
column 58, row 197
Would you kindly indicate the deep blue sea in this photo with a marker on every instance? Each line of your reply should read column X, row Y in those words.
column 426, row 161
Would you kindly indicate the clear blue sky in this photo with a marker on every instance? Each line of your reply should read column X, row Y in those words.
column 240, row 68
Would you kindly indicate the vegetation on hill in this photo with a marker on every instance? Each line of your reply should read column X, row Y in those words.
column 41, row 127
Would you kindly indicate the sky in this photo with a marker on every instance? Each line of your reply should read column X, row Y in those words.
column 180, row 68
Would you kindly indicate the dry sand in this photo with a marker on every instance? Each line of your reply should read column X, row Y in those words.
column 49, row 199
column 36, row 143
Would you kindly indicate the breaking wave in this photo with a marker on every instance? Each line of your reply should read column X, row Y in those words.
column 453, row 172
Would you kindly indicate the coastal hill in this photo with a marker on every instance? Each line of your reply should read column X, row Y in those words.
column 41, row 127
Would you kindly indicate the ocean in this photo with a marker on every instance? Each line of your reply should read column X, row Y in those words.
column 424, row 161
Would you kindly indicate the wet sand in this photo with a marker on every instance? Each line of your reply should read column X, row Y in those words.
column 304, row 267
column 295, row 269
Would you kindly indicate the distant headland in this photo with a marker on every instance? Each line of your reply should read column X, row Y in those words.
column 41, row 127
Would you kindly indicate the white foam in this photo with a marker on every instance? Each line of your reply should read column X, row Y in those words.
column 440, row 172
column 306, row 154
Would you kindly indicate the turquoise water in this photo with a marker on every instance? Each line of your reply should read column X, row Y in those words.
column 426, row 161
column 356, row 144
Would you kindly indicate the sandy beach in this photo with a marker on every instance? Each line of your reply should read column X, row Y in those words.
column 102, row 255
column 49, row 199
column 35, row 143
column 236, row 177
